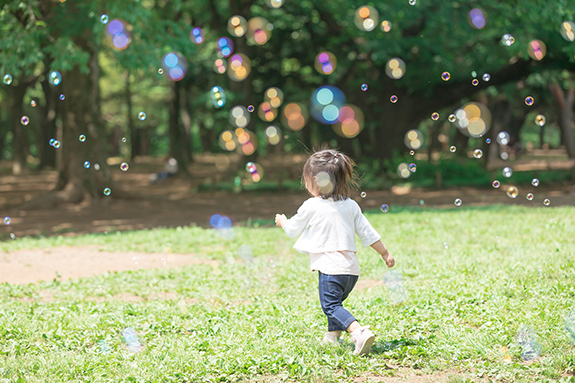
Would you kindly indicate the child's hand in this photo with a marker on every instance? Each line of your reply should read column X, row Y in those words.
column 388, row 258
column 281, row 220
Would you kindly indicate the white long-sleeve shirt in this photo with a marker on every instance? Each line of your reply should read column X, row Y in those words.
column 326, row 231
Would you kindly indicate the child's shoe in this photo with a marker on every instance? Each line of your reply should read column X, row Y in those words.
column 363, row 339
column 330, row 339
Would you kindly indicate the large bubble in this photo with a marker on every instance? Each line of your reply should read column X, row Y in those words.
column 239, row 67
column 325, row 62
column 349, row 122
column 395, row 68
column 325, row 104
column 237, row 26
column 473, row 119
column 175, row 66
column 120, row 31
column 239, row 116
column 274, row 96
column 294, row 116
column 568, row 30
column 197, row 35
column 259, row 31
column 266, row 112
column 218, row 96
column 477, row 18
column 224, row 47
column 537, row 50
column 413, row 139
column 366, row 18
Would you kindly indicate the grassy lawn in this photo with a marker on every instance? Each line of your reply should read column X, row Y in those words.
column 503, row 266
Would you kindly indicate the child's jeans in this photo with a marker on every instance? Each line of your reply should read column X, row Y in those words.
column 333, row 290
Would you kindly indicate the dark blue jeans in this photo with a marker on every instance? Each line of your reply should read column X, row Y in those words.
column 333, row 290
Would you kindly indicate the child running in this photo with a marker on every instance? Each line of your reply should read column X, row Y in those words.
column 326, row 225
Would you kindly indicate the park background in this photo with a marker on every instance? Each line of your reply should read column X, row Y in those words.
column 97, row 94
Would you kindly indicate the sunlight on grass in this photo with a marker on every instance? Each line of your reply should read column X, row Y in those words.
column 472, row 277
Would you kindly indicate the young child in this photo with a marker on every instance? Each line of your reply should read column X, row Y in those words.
column 326, row 225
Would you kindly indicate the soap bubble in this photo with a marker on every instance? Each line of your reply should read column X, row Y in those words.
column 445, row 76
column 385, row 26
column 452, row 149
column 507, row 172
column 123, row 139
column 393, row 99
column 412, row 168
column 224, row 47
column 458, row 202
column 403, row 170
column 87, row 164
column 412, row 2
column 477, row 18
column 421, row 202
column 24, row 120
column 160, row 71
column 536, row 49
column 251, row 167
column 474, row 82
column 364, row 87
column 197, row 35
column 366, row 18
column 507, row 39
column 529, row 196
column 7, row 79
column 259, row 31
column 434, row 116
column 55, row 78
column 393, row 281
column 452, row 118
column 512, row 192
column 570, row 324
column 503, row 138
column 250, row 108
column 530, row 346
column 56, row 144
column 540, row 120
column 141, row 116
column 412, row 152
column 239, row 68
column 478, row 153
column 97, row 166
column 395, row 68
column 363, row 194
column 546, row 202
column 529, row 100
column 12, row 236
column 62, row 97
column 384, row 208
column 496, row 184
column 33, row 104
column 124, row 166
column 568, row 30
column 473, row 74
column 7, row 221
column 104, row 19
column 218, row 96
column 486, row 77
column 107, row 191
column 52, row 141
column 488, row 140
column 237, row 26
column 326, row 102
column 413, row 139
column 131, row 340
column 325, row 62
column 535, row 182
column 82, row 138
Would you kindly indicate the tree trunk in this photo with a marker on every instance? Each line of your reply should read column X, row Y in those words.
column 47, row 154
column 187, row 122
column 134, row 142
column 20, row 131
column 565, row 111
column 175, row 129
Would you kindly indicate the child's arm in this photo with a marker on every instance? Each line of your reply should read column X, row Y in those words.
column 296, row 225
column 381, row 249
column 281, row 220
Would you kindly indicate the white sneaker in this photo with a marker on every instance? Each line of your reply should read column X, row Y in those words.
column 330, row 339
column 363, row 339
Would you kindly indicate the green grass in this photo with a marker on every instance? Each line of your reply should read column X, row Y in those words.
column 504, row 266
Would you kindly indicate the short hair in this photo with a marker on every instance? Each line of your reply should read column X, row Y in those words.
column 330, row 174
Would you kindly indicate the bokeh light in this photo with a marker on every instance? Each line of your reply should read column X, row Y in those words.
column 220, row 66
column 395, row 68
column 445, row 76
column 224, row 47
column 237, row 26
column 473, row 119
column 540, row 120
column 568, row 30
column 218, row 96
column 537, row 50
column 55, row 78
column 7, row 79
column 239, row 67
column 477, row 18
column 239, row 116
column 274, row 96
column 197, row 35
column 273, row 134
column 266, row 112
column 120, row 31
column 259, row 31
column 350, row 121
column 294, row 116
column 274, row 3
column 413, row 139
column 325, row 62
column 175, row 66
column 385, row 26
column 507, row 40
column 325, row 103
column 503, row 138
column 366, row 18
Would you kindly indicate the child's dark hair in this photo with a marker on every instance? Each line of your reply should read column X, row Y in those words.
column 330, row 174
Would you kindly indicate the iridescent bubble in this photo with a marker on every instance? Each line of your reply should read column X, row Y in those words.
column 325, row 62
column 529, row 343
column 239, row 67
column 82, row 138
column 197, row 35
column 393, row 99
column 445, row 76
column 570, row 324
column 251, row 167
column 220, row 66
column 412, row 2
column 55, row 78
column 104, row 19
column 496, row 184
column 413, row 139
column 160, row 71
column 224, row 47
column 452, row 118
column 473, row 74
column 395, row 68
column 478, row 153
column 403, row 170
column 457, row 202
column 488, row 140
column 12, row 236
column 24, row 120
column 385, row 26
column 486, row 77
column 366, row 18
column 7, row 79
column 412, row 168
column 363, row 194
column 107, row 191
column 393, row 280
column 259, row 31
column 97, row 166
column 529, row 196
column 452, row 149
column 535, row 182
column 474, row 82
column 237, row 26
column 536, row 49
column 7, row 221
column 568, row 30
column 62, row 97
column 57, row 144
column 529, row 100
column 434, row 116
column 131, row 340
column 512, row 192
column 141, row 116
column 384, row 208
column 123, row 139
column 546, row 202
column 87, row 164
column 33, row 104
column 477, row 18
column 124, row 166
column 507, row 39
column 218, row 96
column 540, row 120
column 507, row 172
column 326, row 102
column 52, row 141
column 412, row 152
column 503, row 138
column 364, row 87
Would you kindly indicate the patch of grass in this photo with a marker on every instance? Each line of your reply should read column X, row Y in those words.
column 503, row 266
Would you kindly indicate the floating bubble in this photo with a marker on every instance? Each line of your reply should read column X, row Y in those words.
column 259, row 30
column 175, row 66
column 104, row 19
column 535, row 182
column 250, row 108
column 237, row 26
column 103, row 346
column 457, row 202
column 503, row 138
column 97, row 166
column 393, row 99
column 131, row 340
column 496, row 184
column 421, row 202
column 363, row 194
column 141, row 116
column 197, row 35
column 435, row 116
column 218, row 96
column 124, row 166
column 507, row 39
column 160, row 71
column 384, row 208
column 412, row 152
column 529, row 100
column 546, row 202
column 488, row 140
column 445, row 76
column 452, row 118
column 7, row 221
column 529, row 196
column 123, row 139
column 385, row 26
column 220, row 66
column 395, row 68
column 350, row 121
column 107, row 191
column 57, row 144
column 412, row 168
column 325, row 104
column 474, row 82
column 239, row 67
column 52, row 141
column 224, row 47
column 55, row 78
column 33, row 104
column 366, row 18
column 413, row 139
column 536, row 50
column 477, row 18
column 62, row 97
column 540, row 120
column 266, row 112
column 7, row 79
column 512, row 192
column 274, row 3
column 530, row 346
column 412, row 2
column 478, row 153
column 325, row 62
column 507, row 172
column 273, row 133
column 24, row 120
column 12, row 236
column 486, row 77
column 274, row 96
column 364, row 87
column 394, row 282
column 251, row 167
column 403, row 170
column 570, row 324
column 87, row 164
column 473, row 74
column 474, row 119
column 568, row 30
column 452, row 149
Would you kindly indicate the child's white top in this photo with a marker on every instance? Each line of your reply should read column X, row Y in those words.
column 328, row 228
